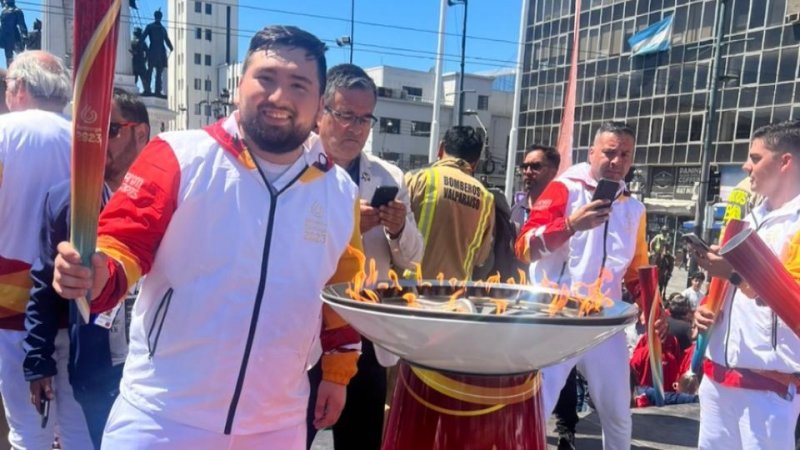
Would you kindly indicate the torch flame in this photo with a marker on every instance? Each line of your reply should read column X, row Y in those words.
column 395, row 281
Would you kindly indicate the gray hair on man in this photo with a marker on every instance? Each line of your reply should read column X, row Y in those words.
column 44, row 77
column 347, row 76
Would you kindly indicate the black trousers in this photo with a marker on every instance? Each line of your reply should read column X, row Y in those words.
column 360, row 426
column 566, row 411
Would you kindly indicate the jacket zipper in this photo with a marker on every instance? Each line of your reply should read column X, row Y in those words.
column 273, row 204
column 165, row 302
column 774, row 330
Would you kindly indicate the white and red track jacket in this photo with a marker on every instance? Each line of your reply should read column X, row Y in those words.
column 576, row 260
column 230, row 308
column 748, row 333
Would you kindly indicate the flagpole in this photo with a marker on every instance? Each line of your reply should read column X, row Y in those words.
column 433, row 145
column 513, row 137
column 565, row 131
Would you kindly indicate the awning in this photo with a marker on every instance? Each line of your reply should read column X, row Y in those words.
column 670, row 206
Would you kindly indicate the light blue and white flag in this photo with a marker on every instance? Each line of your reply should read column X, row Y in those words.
column 653, row 39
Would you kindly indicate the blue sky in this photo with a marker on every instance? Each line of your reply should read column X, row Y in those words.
column 400, row 33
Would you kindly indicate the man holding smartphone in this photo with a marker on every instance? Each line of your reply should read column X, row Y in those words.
column 388, row 232
column 575, row 239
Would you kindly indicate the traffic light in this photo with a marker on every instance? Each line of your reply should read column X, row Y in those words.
column 714, row 177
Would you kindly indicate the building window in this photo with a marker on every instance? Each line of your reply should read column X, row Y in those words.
column 417, row 161
column 390, row 125
column 483, row 102
column 420, row 128
column 208, row 110
column 198, row 7
column 198, row 33
column 208, row 85
column 198, row 84
column 208, row 34
column 413, row 91
column 198, row 59
column 208, row 8
column 197, row 109
column 208, row 60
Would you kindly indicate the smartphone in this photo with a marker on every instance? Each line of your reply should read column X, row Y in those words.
column 606, row 190
column 696, row 242
column 383, row 195
column 44, row 408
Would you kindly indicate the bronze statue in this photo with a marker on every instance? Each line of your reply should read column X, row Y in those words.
column 34, row 41
column 139, row 53
column 12, row 30
column 156, row 54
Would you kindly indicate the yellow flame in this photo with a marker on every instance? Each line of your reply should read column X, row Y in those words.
column 418, row 271
column 372, row 277
column 440, row 278
column 395, row 281
column 523, row 279
column 500, row 305
column 411, row 299
column 451, row 305
column 372, row 296
column 383, row 285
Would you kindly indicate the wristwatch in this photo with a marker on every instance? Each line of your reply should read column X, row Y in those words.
column 735, row 279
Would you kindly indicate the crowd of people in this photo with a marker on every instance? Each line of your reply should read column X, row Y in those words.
column 207, row 330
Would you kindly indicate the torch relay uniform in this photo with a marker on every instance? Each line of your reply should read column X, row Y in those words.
column 227, row 317
column 34, row 156
column 616, row 250
column 748, row 397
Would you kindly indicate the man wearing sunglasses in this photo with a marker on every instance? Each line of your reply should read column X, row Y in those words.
column 389, row 235
column 98, row 349
column 538, row 168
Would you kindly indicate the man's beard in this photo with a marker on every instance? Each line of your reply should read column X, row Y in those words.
column 273, row 139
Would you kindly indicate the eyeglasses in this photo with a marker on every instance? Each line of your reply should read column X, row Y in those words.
column 351, row 119
column 115, row 127
column 532, row 166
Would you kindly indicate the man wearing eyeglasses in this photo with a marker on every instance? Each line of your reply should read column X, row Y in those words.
column 97, row 349
column 35, row 142
column 389, row 235
column 538, row 168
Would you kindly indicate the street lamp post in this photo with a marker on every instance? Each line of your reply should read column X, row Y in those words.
column 700, row 228
column 463, row 51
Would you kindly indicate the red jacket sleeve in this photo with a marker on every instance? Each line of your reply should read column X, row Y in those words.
column 546, row 228
column 133, row 223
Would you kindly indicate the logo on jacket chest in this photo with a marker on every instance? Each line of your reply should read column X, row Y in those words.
column 315, row 225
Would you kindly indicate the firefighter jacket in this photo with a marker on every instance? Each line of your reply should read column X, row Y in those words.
column 455, row 214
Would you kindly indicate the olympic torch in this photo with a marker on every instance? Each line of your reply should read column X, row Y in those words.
column 650, row 302
column 94, row 49
column 766, row 275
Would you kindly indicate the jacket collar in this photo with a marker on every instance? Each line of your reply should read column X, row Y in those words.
column 226, row 133
column 458, row 163
column 792, row 207
column 582, row 173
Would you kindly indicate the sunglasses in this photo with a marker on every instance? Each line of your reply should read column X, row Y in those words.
column 115, row 127
column 533, row 166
